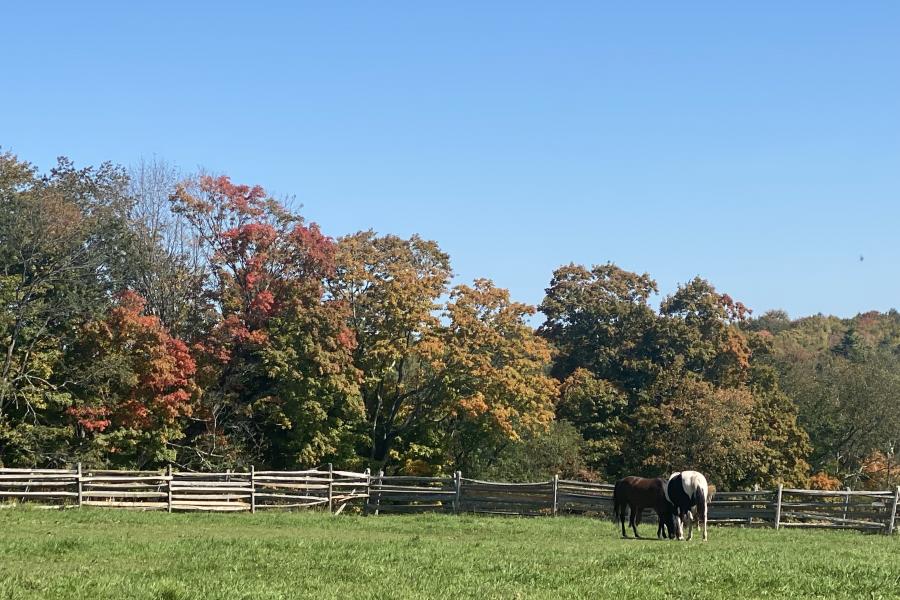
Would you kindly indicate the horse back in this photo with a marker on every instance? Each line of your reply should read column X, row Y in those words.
column 641, row 491
column 687, row 489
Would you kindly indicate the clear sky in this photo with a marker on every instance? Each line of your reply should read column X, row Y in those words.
column 758, row 147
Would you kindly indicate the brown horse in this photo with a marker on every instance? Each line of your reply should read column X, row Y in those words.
column 638, row 493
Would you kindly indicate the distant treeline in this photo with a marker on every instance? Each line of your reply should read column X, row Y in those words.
column 151, row 318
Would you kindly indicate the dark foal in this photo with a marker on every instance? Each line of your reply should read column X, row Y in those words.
column 638, row 493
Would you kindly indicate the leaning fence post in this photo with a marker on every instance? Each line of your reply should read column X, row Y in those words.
column 78, row 479
column 846, row 502
column 252, row 489
column 778, row 506
column 169, row 487
column 330, row 487
column 894, row 510
column 555, row 494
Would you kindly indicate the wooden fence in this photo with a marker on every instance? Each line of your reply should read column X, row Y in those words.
column 185, row 491
column 380, row 494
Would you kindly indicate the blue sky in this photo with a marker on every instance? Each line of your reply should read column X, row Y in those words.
column 756, row 146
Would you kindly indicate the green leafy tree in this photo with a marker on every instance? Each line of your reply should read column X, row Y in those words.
column 538, row 457
column 599, row 411
column 669, row 390
column 600, row 320
column 64, row 254
column 841, row 375
column 699, row 327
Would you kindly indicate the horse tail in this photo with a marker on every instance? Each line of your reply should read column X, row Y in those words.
column 701, row 498
column 618, row 503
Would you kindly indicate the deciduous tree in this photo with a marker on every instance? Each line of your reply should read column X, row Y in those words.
column 133, row 388
column 599, row 411
column 64, row 242
column 391, row 288
column 491, row 372
column 438, row 388
column 279, row 385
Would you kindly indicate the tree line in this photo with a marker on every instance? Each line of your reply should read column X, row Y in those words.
column 150, row 318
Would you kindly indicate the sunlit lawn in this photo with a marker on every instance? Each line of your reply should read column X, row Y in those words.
column 116, row 554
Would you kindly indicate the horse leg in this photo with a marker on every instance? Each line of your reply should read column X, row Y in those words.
column 662, row 530
column 690, row 525
column 701, row 514
column 621, row 516
column 632, row 521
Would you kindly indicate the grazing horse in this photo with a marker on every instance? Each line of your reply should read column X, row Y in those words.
column 638, row 493
column 687, row 490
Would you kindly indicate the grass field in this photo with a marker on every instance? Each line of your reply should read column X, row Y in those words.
column 116, row 554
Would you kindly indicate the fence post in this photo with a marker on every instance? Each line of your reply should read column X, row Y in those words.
column 846, row 502
column 252, row 489
column 80, row 491
column 555, row 494
column 330, row 487
column 169, row 487
column 778, row 506
column 894, row 510
column 378, row 494
column 457, row 496
column 368, row 498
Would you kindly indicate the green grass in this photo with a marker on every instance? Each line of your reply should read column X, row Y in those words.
column 116, row 554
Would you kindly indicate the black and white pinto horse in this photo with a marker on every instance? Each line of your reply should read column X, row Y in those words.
column 688, row 490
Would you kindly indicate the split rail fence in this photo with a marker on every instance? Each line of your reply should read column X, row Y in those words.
column 185, row 491
column 335, row 490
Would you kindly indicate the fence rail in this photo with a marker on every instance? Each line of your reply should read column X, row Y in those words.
column 334, row 490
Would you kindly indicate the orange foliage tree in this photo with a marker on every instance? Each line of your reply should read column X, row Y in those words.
column 880, row 471
column 492, row 370
column 439, row 387
column 137, row 388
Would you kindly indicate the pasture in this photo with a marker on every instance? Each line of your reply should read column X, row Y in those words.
column 96, row 553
